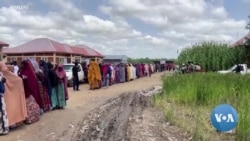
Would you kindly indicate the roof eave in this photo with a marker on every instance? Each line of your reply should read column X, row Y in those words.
column 4, row 45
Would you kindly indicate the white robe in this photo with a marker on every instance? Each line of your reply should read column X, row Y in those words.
column 131, row 73
column 146, row 69
column 152, row 67
column 134, row 72
column 112, row 72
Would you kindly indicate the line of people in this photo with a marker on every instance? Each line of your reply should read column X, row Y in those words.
column 36, row 87
column 103, row 75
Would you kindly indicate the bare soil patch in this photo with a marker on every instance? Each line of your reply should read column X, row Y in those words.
column 129, row 117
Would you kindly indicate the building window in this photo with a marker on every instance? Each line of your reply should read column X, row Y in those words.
column 78, row 59
column 14, row 59
column 44, row 59
column 62, row 60
column 28, row 58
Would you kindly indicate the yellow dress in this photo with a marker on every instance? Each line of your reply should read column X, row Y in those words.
column 128, row 73
column 94, row 75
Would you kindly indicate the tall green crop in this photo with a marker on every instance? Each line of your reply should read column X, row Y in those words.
column 213, row 56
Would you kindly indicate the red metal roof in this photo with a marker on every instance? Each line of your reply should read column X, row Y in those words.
column 3, row 44
column 242, row 40
column 91, row 52
column 45, row 45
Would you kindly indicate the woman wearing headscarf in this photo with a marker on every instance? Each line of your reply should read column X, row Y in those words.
column 94, row 75
column 149, row 70
column 104, row 74
column 55, row 68
column 108, row 75
column 112, row 74
column 30, row 85
column 141, row 70
column 53, row 83
column 117, row 73
column 62, row 92
column 85, row 70
column 101, row 72
column 14, row 96
column 28, row 70
column 122, row 73
column 137, row 69
column 128, row 75
column 131, row 68
column 4, row 122
column 45, row 69
column 146, row 71
column 11, row 68
column 44, row 96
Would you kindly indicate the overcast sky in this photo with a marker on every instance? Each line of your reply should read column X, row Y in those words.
column 136, row 28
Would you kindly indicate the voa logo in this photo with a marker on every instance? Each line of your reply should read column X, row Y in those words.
column 224, row 117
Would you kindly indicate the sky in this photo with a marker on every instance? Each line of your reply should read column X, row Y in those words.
column 136, row 28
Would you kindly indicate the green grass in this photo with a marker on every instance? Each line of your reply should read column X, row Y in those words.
column 189, row 99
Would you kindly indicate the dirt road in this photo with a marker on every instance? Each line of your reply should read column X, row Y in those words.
column 60, row 124
column 129, row 117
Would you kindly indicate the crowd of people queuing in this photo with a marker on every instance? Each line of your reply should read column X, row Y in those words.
column 105, row 74
column 26, row 92
column 190, row 67
column 32, row 88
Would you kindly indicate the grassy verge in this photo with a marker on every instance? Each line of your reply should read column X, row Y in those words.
column 188, row 100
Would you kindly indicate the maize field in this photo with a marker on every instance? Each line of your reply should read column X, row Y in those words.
column 213, row 56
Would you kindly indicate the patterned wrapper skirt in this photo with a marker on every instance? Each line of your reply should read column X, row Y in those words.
column 54, row 98
column 33, row 110
column 61, row 96
column 44, row 97
column 4, row 123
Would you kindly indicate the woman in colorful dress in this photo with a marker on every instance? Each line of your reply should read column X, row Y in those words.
column 112, row 74
column 62, row 91
column 122, row 73
column 117, row 73
column 14, row 97
column 44, row 67
column 53, row 83
column 94, row 75
column 4, row 122
column 31, row 93
column 44, row 96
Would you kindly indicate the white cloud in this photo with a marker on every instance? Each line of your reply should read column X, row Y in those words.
column 175, row 24
column 219, row 12
column 183, row 22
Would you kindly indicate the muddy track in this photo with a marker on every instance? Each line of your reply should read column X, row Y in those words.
column 111, row 121
column 117, row 120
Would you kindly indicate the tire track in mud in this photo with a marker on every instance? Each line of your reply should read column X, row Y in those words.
column 116, row 120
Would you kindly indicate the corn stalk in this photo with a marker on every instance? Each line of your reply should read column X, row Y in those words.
column 213, row 56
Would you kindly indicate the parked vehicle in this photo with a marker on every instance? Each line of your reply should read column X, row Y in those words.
column 244, row 70
column 69, row 74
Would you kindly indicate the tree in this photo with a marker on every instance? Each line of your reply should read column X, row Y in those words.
column 248, row 25
column 247, row 43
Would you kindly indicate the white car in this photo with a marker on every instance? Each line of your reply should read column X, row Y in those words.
column 69, row 74
column 244, row 71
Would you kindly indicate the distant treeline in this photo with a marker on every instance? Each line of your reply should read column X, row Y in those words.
column 147, row 60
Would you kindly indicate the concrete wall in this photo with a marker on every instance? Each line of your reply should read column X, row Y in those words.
column 114, row 61
column 54, row 58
